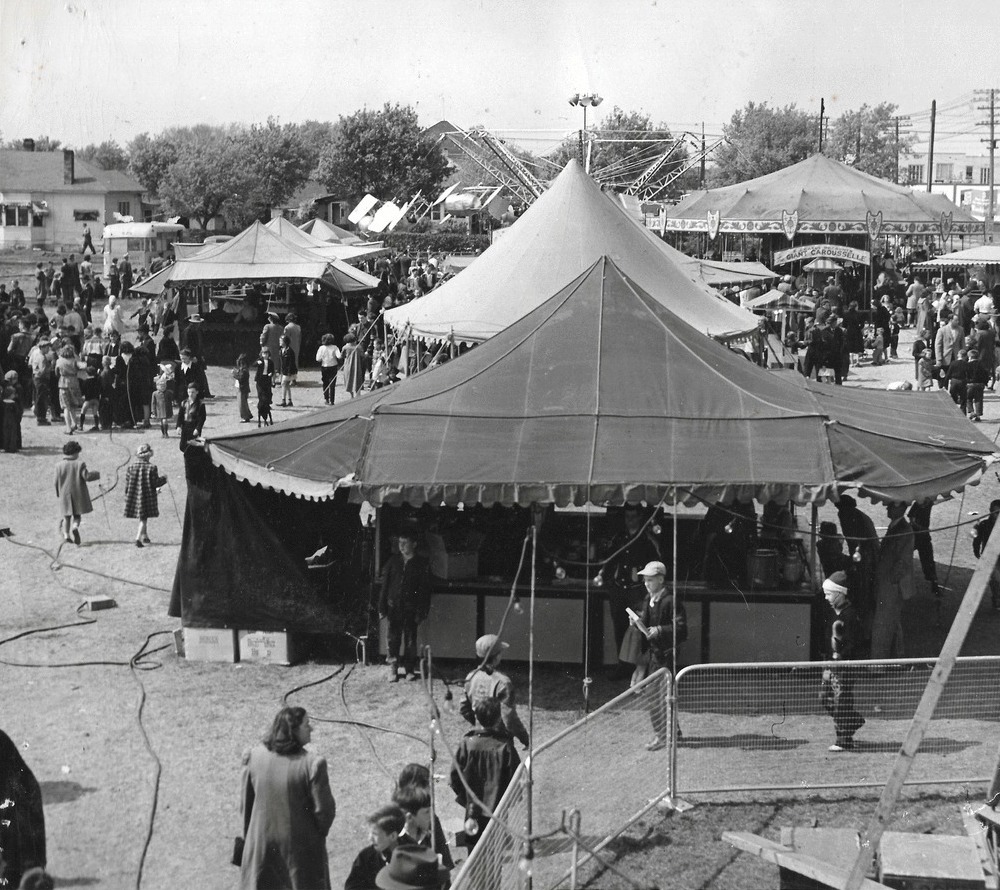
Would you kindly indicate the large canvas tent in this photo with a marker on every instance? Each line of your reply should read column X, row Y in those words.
column 325, row 231
column 819, row 196
column 566, row 230
column 346, row 253
column 258, row 254
column 643, row 407
column 603, row 394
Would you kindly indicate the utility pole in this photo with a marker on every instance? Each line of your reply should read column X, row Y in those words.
column 930, row 148
column 701, row 181
column 822, row 110
column 991, row 200
column 905, row 119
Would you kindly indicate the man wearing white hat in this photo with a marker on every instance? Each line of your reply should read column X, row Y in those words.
column 486, row 681
column 662, row 629
column 837, row 693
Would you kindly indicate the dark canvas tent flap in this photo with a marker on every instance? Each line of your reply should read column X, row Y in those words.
column 235, row 568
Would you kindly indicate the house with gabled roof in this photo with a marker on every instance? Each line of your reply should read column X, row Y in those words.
column 46, row 197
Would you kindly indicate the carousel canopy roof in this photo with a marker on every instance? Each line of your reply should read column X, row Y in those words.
column 984, row 255
column 566, row 230
column 829, row 197
column 602, row 394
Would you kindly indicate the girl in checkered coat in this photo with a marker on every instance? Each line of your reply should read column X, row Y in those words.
column 141, row 483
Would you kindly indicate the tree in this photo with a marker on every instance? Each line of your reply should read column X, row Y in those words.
column 109, row 155
column 149, row 159
column 315, row 136
column 761, row 139
column 273, row 162
column 382, row 152
column 204, row 175
column 866, row 139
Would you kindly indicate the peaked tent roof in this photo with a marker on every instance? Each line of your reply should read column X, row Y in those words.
column 343, row 252
column 983, row 255
column 829, row 197
column 567, row 229
column 325, row 231
column 524, row 418
column 256, row 254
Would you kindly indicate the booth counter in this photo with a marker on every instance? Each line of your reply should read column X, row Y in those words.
column 723, row 625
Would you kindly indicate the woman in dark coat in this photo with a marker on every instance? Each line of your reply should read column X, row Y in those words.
column 10, row 413
column 135, row 386
column 142, row 480
column 191, row 416
column 22, row 826
column 287, row 808
column 854, row 330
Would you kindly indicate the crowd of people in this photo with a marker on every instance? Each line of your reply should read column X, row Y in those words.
column 956, row 327
column 288, row 806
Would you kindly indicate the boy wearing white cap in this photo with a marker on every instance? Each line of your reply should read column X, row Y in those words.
column 662, row 629
column 486, row 681
column 837, row 692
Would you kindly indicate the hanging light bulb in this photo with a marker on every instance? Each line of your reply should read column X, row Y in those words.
column 729, row 528
column 560, row 573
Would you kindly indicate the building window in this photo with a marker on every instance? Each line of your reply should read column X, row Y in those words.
column 86, row 215
column 944, row 172
column 915, row 174
column 968, row 174
column 17, row 216
column 984, row 175
column 125, row 208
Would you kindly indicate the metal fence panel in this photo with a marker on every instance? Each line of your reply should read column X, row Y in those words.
column 599, row 767
column 765, row 726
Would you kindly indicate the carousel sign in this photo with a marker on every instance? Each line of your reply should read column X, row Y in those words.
column 814, row 251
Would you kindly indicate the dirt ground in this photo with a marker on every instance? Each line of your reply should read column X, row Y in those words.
column 71, row 700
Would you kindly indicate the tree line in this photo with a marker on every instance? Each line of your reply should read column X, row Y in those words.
column 241, row 171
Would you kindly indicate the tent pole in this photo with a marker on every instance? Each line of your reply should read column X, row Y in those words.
column 813, row 552
column 528, row 791
column 672, row 691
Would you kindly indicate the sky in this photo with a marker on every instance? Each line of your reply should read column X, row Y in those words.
column 88, row 70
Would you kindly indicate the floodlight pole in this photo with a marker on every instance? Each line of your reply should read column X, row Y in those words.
column 529, row 853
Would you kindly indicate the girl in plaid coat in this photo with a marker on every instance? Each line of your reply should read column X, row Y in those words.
column 141, row 483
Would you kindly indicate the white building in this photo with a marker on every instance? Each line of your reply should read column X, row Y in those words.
column 964, row 178
column 46, row 197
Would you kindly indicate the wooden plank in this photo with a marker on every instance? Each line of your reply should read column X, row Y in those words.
column 977, row 831
column 925, row 710
column 784, row 857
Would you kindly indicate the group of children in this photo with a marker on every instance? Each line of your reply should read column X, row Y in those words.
column 485, row 763
column 966, row 378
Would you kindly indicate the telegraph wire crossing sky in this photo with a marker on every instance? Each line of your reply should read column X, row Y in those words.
column 87, row 70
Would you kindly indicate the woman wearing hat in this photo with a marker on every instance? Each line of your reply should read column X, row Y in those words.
column 142, row 480
column 72, row 477
column 287, row 808
column 11, row 409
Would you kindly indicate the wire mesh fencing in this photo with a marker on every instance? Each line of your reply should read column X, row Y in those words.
column 771, row 726
column 588, row 785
